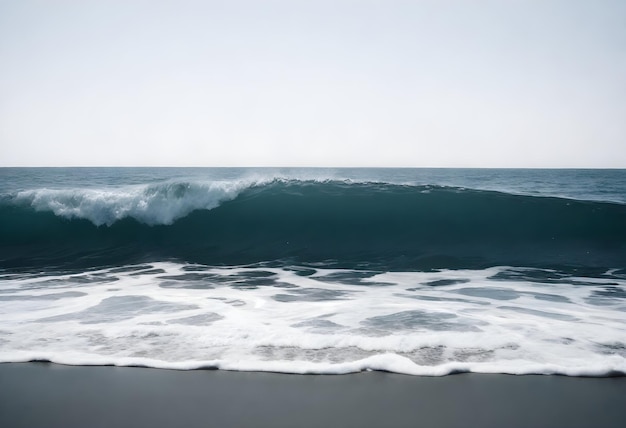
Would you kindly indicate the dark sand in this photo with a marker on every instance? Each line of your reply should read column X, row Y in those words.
column 50, row 395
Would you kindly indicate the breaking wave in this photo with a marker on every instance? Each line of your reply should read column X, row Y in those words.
column 338, row 223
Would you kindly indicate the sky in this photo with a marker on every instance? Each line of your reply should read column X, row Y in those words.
column 422, row 83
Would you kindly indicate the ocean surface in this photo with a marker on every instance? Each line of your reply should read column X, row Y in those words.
column 415, row 271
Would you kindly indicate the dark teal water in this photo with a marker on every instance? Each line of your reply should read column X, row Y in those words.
column 384, row 219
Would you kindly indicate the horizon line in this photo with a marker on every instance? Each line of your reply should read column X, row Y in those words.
column 317, row 167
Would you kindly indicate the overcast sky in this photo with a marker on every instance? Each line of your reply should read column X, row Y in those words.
column 421, row 83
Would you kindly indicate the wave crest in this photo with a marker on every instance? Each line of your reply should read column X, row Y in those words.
column 154, row 204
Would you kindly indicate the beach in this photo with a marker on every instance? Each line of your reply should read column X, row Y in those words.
column 52, row 395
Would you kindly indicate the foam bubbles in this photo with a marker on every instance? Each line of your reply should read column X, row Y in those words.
column 153, row 204
column 159, row 203
column 304, row 320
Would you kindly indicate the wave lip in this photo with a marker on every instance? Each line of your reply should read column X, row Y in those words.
column 152, row 204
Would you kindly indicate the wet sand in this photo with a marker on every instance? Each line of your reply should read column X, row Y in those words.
column 51, row 395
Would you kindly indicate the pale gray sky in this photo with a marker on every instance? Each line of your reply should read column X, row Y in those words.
column 431, row 83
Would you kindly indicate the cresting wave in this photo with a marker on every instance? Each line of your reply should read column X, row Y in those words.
column 156, row 204
column 337, row 223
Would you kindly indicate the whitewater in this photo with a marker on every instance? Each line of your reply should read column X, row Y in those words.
column 422, row 272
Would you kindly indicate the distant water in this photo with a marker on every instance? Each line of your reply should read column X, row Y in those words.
column 417, row 271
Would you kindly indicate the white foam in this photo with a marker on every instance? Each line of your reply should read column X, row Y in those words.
column 151, row 204
column 314, row 324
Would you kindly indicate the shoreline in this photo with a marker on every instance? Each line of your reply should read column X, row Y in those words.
column 40, row 394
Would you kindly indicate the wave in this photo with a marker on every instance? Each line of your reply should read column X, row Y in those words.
column 152, row 204
column 388, row 362
column 338, row 223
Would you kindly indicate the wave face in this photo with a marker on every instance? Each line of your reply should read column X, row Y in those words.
column 339, row 223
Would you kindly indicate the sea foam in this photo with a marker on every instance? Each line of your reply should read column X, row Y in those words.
column 303, row 320
column 152, row 204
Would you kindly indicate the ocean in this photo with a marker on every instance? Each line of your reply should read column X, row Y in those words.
column 311, row 270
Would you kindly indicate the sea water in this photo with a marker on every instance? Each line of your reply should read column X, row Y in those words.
column 416, row 271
